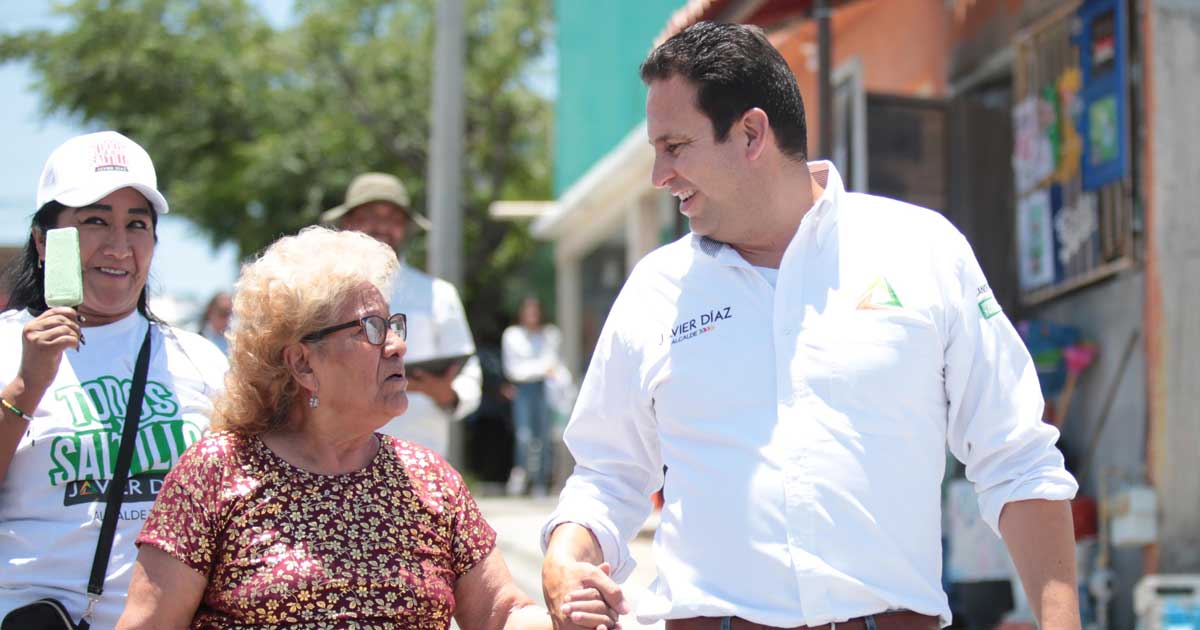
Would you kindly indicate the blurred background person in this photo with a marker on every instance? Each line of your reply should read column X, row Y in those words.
column 62, row 371
column 296, row 510
column 377, row 204
column 215, row 320
column 530, row 350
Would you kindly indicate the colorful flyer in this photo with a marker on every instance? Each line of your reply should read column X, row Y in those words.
column 1035, row 240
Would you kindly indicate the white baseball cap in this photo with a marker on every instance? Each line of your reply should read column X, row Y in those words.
column 87, row 168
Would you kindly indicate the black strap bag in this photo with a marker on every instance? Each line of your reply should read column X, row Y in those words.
column 49, row 613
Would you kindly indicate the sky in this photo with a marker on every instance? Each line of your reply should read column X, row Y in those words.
column 193, row 271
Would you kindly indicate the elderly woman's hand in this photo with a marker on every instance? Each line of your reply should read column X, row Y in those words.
column 587, row 608
column 42, row 343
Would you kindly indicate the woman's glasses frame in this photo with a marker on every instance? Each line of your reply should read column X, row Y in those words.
column 375, row 327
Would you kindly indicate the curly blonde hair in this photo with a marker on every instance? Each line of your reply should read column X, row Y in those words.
column 294, row 288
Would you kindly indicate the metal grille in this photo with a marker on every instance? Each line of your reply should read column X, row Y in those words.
column 906, row 149
column 1103, row 232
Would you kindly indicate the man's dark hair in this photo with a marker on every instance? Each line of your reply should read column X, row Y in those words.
column 735, row 69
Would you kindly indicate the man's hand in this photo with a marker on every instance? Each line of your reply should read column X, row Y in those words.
column 581, row 594
column 439, row 387
column 576, row 583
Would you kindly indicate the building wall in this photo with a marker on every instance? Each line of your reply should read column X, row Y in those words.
column 1175, row 52
column 868, row 30
column 979, row 28
column 600, row 96
column 1108, row 314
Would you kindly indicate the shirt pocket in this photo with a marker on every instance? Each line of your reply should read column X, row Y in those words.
column 883, row 369
column 877, row 327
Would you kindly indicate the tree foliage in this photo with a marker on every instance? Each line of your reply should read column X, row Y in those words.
column 255, row 129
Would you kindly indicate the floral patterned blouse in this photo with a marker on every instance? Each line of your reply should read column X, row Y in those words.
column 282, row 547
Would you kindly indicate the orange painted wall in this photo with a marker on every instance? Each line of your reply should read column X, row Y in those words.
column 901, row 44
column 980, row 28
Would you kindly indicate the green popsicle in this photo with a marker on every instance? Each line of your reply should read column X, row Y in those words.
column 64, row 273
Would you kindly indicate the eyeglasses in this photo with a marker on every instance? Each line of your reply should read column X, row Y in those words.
column 375, row 326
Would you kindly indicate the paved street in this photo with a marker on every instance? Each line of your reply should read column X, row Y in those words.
column 518, row 523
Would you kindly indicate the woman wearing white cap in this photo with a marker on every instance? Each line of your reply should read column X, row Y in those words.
column 67, row 376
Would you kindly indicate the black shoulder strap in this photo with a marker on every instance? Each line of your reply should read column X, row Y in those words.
column 116, row 487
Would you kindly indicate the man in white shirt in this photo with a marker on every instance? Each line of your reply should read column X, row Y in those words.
column 377, row 204
column 790, row 374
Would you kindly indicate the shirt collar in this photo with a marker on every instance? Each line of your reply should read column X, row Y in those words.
column 719, row 251
column 823, row 211
column 118, row 329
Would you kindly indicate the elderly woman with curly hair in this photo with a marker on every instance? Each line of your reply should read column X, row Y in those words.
column 295, row 511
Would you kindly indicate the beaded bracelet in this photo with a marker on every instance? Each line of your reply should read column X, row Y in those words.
column 13, row 408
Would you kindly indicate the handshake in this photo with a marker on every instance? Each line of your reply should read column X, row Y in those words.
column 577, row 584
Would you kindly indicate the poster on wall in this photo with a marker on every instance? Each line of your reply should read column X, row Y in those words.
column 1104, row 131
column 1104, row 120
column 1070, row 151
column 1033, row 149
column 1075, row 226
column 1035, row 240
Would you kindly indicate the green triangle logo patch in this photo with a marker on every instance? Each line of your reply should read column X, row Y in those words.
column 879, row 295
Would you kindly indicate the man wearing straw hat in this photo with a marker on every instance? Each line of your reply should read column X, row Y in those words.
column 377, row 204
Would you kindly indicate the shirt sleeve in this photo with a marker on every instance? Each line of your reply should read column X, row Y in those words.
column 214, row 367
column 613, row 437
column 454, row 337
column 473, row 538
column 183, row 521
column 995, row 422
column 204, row 357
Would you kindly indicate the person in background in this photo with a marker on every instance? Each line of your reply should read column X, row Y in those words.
column 65, row 380
column 296, row 511
column 377, row 204
column 530, row 353
column 215, row 320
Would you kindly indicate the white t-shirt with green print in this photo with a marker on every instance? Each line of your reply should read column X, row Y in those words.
column 51, row 502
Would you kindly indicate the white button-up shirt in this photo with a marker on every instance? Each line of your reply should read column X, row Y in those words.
column 798, row 432
column 437, row 328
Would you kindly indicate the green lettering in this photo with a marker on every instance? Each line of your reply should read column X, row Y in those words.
column 191, row 434
column 110, row 444
column 79, row 403
column 170, row 429
column 89, row 464
column 114, row 391
column 100, row 402
column 141, row 459
column 157, row 448
column 64, row 453
column 160, row 400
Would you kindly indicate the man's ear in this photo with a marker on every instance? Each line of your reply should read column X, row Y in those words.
column 39, row 241
column 756, row 128
column 298, row 359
